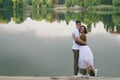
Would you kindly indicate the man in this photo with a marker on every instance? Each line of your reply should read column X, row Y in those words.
column 75, row 47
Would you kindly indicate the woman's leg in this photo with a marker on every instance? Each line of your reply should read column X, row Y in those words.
column 91, row 71
column 87, row 71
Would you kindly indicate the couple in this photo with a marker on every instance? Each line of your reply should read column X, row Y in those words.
column 83, row 57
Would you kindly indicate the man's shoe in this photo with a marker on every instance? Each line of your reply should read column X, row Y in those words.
column 79, row 75
column 75, row 76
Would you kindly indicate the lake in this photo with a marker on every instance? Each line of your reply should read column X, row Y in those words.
column 38, row 43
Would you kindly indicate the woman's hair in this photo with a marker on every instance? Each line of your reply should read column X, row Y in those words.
column 85, row 29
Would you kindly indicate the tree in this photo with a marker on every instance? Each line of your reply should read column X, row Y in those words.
column 49, row 3
column 55, row 1
column 29, row 2
column 18, row 16
column 14, row 3
column 7, row 4
column 61, row 1
column 5, row 16
column 37, row 3
column 68, row 17
column 44, row 2
column 18, row 4
column 0, row 3
column 116, row 3
column 87, row 3
column 69, row 3
column 116, row 19
column 106, row 2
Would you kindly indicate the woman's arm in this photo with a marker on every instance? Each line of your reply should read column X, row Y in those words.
column 78, row 40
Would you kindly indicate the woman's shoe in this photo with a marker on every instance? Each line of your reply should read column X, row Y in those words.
column 87, row 75
column 96, row 70
column 92, row 73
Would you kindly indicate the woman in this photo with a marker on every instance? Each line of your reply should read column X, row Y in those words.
column 85, row 55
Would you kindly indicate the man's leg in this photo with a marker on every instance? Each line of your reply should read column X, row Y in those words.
column 76, row 57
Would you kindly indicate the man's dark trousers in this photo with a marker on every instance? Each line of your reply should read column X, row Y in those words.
column 76, row 57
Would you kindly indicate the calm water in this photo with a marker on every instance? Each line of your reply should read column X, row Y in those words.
column 38, row 43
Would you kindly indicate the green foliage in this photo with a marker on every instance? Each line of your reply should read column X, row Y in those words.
column 18, row 16
column 18, row 4
column 69, row 3
column 116, row 18
column 49, row 3
column 101, row 7
column 83, row 3
column 76, row 2
column 1, row 1
column 61, row 1
column 88, row 3
column 89, row 28
column 118, row 28
column 44, row 2
column 37, row 4
column 106, row 2
column 5, row 16
column 116, row 3
column 68, row 17
column 7, row 4
column 109, row 20
column 40, row 15
column 29, row 2
column 37, row 15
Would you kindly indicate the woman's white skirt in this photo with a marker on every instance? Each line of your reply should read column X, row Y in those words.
column 85, row 57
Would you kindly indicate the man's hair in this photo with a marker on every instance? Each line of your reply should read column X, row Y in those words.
column 78, row 22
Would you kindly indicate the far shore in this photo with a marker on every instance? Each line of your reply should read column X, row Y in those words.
column 102, row 9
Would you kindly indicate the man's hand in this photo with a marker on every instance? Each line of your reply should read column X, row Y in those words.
column 79, row 41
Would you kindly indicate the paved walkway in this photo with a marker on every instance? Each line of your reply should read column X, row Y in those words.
column 54, row 78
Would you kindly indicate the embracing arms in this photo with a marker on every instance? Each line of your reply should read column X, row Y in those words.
column 78, row 40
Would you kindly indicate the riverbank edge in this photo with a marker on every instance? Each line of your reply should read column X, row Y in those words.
column 54, row 78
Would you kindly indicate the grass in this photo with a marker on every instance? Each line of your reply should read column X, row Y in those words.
column 104, row 9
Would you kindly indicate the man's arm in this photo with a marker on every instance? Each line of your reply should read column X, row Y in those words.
column 78, row 40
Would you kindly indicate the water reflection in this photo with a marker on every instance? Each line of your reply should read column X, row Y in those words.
column 109, row 20
column 39, row 28
column 39, row 43
column 53, row 29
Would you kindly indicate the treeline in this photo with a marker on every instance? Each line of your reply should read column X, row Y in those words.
column 87, row 3
column 19, row 16
column 20, row 4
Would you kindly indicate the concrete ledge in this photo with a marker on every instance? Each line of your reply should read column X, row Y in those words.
column 54, row 78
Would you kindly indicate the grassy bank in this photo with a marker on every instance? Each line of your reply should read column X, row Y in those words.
column 107, row 9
